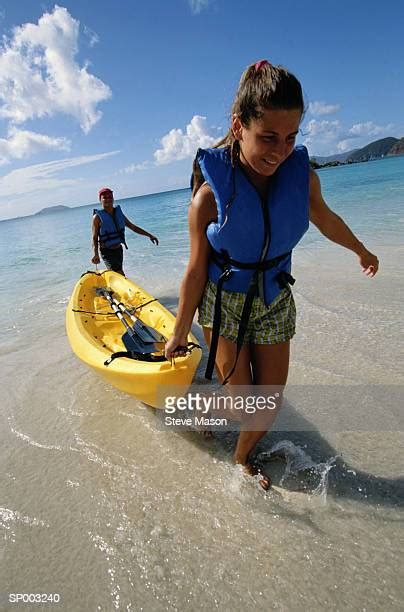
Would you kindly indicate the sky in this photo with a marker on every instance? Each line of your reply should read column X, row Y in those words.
column 121, row 93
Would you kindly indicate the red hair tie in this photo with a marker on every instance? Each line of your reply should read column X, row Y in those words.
column 260, row 64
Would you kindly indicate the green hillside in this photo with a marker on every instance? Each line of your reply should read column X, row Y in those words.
column 397, row 148
column 374, row 150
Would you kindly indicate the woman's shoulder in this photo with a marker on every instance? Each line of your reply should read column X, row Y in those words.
column 203, row 205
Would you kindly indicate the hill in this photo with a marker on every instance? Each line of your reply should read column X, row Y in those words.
column 374, row 150
column 397, row 148
column 337, row 157
column 52, row 209
column 384, row 147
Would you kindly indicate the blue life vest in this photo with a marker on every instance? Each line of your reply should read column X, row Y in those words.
column 112, row 228
column 239, row 232
column 252, row 240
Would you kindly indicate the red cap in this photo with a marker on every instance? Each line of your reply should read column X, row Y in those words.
column 104, row 190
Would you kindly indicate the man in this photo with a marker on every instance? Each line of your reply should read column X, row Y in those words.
column 109, row 232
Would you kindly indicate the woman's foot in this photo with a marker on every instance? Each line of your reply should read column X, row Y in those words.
column 204, row 430
column 206, row 433
column 252, row 470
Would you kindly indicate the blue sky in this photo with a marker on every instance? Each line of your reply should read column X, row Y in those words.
column 122, row 93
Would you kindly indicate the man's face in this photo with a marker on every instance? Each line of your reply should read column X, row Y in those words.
column 107, row 200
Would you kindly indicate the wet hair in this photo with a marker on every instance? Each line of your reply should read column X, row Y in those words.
column 262, row 86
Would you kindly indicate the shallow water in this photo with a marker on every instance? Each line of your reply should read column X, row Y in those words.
column 100, row 505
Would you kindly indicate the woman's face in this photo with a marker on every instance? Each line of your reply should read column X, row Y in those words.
column 267, row 141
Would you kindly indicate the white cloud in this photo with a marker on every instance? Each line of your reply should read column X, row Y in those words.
column 345, row 145
column 198, row 5
column 178, row 145
column 320, row 137
column 361, row 134
column 321, row 108
column 370, row 129
column 44, row 177
column 329, row 137
column 40, row 77
column 322, row 129
column 93, row 38
column 136, row 167
column 22, row 143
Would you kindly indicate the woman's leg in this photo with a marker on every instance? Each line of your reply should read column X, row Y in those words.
column 259, row 364
column 225, row 357
column 270, row 363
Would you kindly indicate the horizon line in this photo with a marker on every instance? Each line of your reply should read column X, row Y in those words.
column 143, row 195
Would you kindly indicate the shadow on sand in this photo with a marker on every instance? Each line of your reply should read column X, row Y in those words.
column 301, row 435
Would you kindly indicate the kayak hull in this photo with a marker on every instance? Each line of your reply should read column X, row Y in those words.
column 94, row 333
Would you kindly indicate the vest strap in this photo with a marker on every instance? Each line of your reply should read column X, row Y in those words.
column 110, row 235
column 245, row 316
column 120, row 232
column 283, row 279
column 217, row 319
column 223, row 258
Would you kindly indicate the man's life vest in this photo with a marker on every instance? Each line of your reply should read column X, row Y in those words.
column 252, row 240
column 112, row 228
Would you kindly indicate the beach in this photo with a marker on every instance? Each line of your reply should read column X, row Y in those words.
column 106, row 509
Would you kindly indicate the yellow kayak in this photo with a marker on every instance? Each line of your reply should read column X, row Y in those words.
column 96, row 334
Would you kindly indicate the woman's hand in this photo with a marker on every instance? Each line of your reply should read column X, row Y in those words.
column 153, row 239
column 95, row 259
column 176, row 346
column 200, row 213
column 369, row 262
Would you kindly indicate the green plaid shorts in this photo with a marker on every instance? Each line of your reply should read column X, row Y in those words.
column 271, row 324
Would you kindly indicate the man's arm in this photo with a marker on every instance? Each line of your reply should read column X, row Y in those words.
column 139, row 230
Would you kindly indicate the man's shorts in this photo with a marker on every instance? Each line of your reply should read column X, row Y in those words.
column 113, row 258
column 270, row 324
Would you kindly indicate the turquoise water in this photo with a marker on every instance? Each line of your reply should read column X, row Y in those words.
column 369, row 196
column 100, row 505
column 53, row 250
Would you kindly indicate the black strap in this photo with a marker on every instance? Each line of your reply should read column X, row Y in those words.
column 223, row 258
column 245, row 316
column 147, row 356
column 193, row 345
column 284, row 279
column 217, row 318
column 91, row 312
column 92, row 272
column 134, row 355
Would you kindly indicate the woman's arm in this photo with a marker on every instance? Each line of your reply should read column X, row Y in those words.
column 139, row 230
column 334, row 228
column 201, row 212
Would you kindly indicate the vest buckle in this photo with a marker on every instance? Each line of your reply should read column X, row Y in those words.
column 227, row 272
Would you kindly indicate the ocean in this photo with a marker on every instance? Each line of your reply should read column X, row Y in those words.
column 101, row 509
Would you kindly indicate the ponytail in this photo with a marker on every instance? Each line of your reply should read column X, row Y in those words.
column 262, row 86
